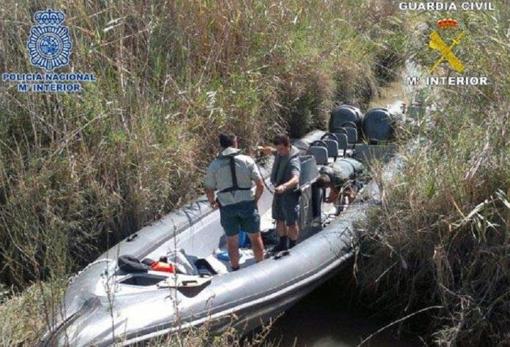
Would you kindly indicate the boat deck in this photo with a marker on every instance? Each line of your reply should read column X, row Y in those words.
column 267, row 225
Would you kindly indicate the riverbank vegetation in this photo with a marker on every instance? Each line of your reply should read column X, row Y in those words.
column 78, row 172
column 440, row 242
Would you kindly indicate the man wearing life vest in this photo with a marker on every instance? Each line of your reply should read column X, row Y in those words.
column 285, row 178
column 232, row 175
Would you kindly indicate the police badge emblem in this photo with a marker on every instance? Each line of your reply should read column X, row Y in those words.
column 49, row 44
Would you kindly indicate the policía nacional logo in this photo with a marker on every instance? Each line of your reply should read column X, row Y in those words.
column 49, row 47
column 49, row 44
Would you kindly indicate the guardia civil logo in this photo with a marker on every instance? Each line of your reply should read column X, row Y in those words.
column 446, row 49
column 448, row 67
column 49, row 44
column 49, row 47
column 444, row 41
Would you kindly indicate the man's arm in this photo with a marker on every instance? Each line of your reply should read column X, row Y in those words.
column 333, row 195
column 210, row 196
column 290, row 184
column 266, row 150
column 210, row 183
column 257, row 178
column 259, row 189
column 295, row 166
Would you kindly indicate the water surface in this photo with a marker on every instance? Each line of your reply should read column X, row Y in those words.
column 327, row 318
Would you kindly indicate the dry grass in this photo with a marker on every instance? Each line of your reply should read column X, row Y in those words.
column 201, row 336
column 80, row 172
column 24, row 317
column 441, row 237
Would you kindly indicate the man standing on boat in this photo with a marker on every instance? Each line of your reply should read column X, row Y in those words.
column 231, row 174
column 285, row 178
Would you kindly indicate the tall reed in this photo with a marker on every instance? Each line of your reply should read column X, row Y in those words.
column 441, row 235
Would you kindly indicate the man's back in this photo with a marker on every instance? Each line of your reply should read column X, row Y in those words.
column 228, row 184
column 219, row 177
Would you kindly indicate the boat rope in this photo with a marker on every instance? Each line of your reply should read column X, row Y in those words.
column 271, row 190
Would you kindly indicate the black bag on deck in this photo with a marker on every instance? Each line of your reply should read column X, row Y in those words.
column 130, row 264
column 269, row 237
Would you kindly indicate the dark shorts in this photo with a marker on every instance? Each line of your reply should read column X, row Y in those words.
column 286, row 208
column 241, row 216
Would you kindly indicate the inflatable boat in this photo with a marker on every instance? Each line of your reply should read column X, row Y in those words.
column 107, row 303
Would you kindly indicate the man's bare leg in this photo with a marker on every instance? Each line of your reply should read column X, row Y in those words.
column 257, row 245
column 233, row 250
column 281, row 228
column 293, row 232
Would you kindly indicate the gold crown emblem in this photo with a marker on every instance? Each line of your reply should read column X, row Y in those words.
column 447, row 23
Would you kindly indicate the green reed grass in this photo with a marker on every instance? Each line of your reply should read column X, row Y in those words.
column 80, row 172
column 442, row 234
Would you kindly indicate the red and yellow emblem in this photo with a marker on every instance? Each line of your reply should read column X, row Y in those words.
column 446, row 50
column 447, row 23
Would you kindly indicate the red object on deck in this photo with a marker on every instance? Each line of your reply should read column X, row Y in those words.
column 161, row 266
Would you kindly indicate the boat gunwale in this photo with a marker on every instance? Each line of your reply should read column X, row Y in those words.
column 295, row 285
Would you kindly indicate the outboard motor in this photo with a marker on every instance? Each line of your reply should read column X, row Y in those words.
column 344, row 114
column 378, row 125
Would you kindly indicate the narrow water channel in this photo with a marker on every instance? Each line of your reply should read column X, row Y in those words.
column 327, row 318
